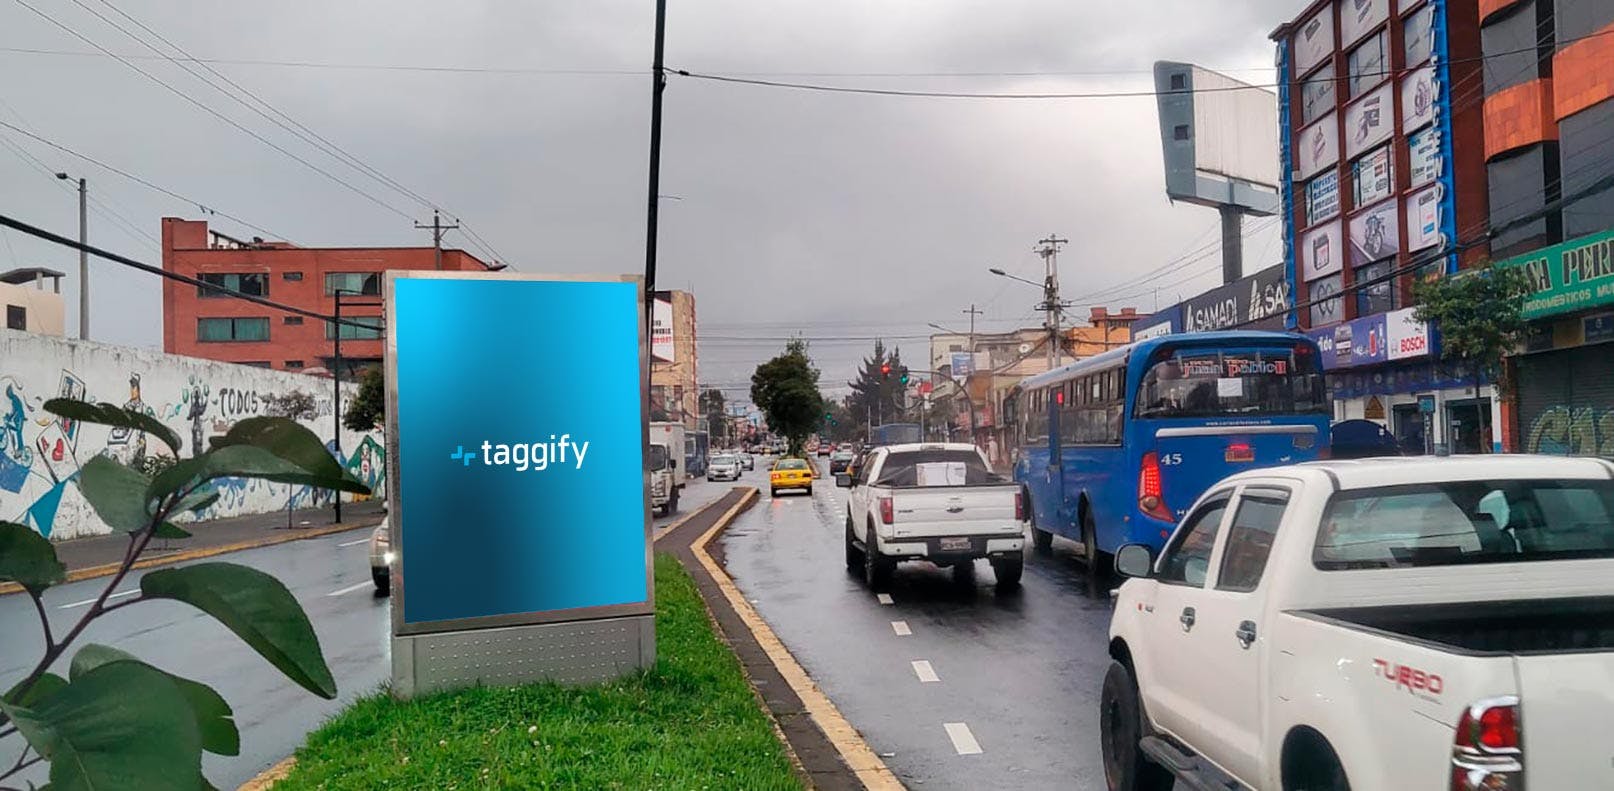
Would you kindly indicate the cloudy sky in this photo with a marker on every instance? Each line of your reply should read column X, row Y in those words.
column 840, row 217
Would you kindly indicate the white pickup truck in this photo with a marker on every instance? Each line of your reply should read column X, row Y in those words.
column 939, row 502
column 1377, row 624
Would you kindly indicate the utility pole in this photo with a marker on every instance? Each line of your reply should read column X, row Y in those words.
column 83, row 259
column 969, row 401
column 1051, row 304
column 658, row 83
column 437, row 228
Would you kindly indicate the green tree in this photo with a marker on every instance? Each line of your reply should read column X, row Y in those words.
column 1479, row 315
column 786, row 390
column 115, row 721
column 368, row 409
column 715, row 410
column 877, row 394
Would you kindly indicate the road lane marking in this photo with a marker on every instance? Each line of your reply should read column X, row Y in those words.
column 901, row 628
column 884, row 598
column 350, row 589
column 118, row 595
column 926, row 673
column 355, row 542
column 963, row 741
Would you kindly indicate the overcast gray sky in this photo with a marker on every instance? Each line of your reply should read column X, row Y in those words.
column 831, row 215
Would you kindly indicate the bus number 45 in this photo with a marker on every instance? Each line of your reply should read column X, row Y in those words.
column 1170, row 459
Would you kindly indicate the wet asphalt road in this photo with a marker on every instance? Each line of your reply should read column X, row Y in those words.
column 329, row 576
column 1020, row 671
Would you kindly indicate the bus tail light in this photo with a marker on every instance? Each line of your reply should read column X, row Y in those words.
column 1151, row 499
column 1239, row 451
column 887, row 512
column 1487, row 752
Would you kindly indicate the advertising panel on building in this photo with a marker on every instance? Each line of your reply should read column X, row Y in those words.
column 527, row 523
column 1322, row 197
column 1423, row 149
column 1253, row 302
column 1418, row 98
column 661, row 330
column 1321, row 252
column 1318, row 146
column 1314, row 40
column 1369, row 120
column 1373, row 177
column 1357, row 17
column 1423, row 219
column 1375, row 233
column 1164, row 322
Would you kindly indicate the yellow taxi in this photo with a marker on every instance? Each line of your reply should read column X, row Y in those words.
column 790, row 473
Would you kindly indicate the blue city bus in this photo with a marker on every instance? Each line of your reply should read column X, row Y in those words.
column 1113, row 449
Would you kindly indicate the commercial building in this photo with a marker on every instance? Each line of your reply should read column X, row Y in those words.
column 674, row 394
column 203, row 321
column 1549, row 149
column 29, row 306
column 1382, row 138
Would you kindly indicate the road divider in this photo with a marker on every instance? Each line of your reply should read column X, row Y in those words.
column 926, row 673
column 884, row 598
column 901, row 628
column 963, row 741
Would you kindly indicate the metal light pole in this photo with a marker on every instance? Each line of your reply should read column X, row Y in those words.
column 83, row 258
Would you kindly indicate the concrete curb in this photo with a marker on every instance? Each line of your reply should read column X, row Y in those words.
column 286, row 537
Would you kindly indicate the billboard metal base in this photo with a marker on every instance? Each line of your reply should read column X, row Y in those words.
column 571, row 652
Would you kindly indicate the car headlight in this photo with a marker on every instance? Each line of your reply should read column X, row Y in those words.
column 386, row 557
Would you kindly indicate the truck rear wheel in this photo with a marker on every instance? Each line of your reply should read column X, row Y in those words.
column 1121, row 726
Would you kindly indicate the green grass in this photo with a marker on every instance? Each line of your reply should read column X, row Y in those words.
column 691, row 723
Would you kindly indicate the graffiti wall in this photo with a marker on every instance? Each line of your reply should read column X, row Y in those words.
column 1572, row 430
column 40, row 454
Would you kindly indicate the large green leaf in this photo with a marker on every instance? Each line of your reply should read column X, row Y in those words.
column 258, row 609
column 27, row 558
column 110, row 415
column 120, row 725
column 247, row 461
column 197, row 502
column 47, row 685
column 214, row 720
column 117, row 493
column 286, row 439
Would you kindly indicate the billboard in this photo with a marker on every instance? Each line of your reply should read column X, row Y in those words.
column 1418, row 99
column 1219, row 137
column 1314, row 40
column 515, row 504
column 1369, row 120
column 1164, row 322
column 1375, row 233
column 1253, row 302
column 1423, row 151
column 1383, row 337
column 1423, row 219
column 1318, row 146
column 1321, row 252
column 1357, row 17
column 662, row 348
column 961, row 365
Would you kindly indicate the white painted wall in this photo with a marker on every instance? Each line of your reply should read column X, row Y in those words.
column 40, row 454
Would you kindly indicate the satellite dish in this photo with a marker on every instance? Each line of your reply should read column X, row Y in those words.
column 1025, row 347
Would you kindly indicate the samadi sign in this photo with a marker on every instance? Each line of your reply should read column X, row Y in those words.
column 1570, row 276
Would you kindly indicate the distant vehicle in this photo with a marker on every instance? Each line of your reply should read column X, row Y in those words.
column 824, row 448
column 381, row 557
column 937, row 502
column 895, row 434
column 839, row 460
column 790, row 473
column 1114, row 448
column 747, row 461
column 667, row 443
column 1361, row 439
column 697, row 445
column 724, row 467
column 1372, row 624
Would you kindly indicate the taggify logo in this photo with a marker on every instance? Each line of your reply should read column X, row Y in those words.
column 536, row 456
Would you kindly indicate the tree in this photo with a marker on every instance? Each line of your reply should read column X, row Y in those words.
column 116, row 721
column 715, row 411
column 1479, row 315
column 877, row 392
column 786, row 390
column 368, row 409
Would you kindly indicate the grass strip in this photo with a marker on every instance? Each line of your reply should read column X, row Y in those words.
column 691, row 723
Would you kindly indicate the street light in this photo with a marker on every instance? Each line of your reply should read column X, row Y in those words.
column 83, row 259
column 336, row 377
column 1001, row 273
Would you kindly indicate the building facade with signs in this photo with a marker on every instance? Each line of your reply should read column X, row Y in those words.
column 674, row 394
column 1549, row 147
column 1381, row 136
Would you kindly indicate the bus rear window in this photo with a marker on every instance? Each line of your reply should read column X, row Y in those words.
column 1199, row 382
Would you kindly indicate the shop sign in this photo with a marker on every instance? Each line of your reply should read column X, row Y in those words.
column 1320, row 252
column 1357, row 17
column 1571, row 276
column 1322, row 197
column 1374, row 409
column 1424, row 152
column 1318, row 146
column 1405, row 336
column 1369, row 121
column 1253, row 302
column 1423, row 219
column 1598, row 328
column 1375, row 234
column 1164, row 322
column 1418, row 98
column 1372, row 339
column 1314, row 40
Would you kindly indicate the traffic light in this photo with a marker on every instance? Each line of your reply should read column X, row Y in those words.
column 885, row 369
column 904, row 378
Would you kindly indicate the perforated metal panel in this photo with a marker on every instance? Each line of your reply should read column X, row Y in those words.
column 578, row 652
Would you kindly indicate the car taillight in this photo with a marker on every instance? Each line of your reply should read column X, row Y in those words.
column 1020, row 506
column 887, row 513
column 1487, row 751
column 1151, row 500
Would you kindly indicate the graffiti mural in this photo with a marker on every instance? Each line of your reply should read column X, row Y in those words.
column 1572, row 431
column 41, row 454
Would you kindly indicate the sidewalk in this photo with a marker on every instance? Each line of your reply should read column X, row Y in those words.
column 87, row 558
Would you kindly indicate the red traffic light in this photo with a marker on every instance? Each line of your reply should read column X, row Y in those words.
column 885, row 369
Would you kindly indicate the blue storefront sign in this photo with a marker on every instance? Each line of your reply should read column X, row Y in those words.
column 1370, row 340
column 1164, row 322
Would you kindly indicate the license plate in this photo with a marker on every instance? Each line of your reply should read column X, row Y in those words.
column 955, row 544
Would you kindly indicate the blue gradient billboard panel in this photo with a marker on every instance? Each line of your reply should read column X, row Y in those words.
column 519, row 448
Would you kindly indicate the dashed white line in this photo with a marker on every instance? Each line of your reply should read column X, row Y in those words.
column 963, row 741
column 901, row 628
column 926, row 673
column 353, row 543
column 86, row 602
column 350, row 589
column 884, row 598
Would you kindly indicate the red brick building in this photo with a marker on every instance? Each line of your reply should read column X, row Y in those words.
column 205, row 322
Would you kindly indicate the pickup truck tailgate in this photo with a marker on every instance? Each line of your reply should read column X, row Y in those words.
column 1568, row 703
column 955, row 510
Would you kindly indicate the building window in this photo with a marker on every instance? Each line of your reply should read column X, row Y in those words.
column 1179, row 82
column 256, row 363
column 1379, row 297
column 222, row 284
column 294, row 364
column 1517, row 46
column 371, row 331
column 291, row 276
column 1418, row 36
column 229, row 330
column 353, row 283
column 1372, row 177
column 1325, row 311
column 1317, row 95
column 1521, row 184
column 1179, row 132
column 1584, row 142
column 293, row 320
column 1581, row 18
column 16, row 317
column 1367, row 64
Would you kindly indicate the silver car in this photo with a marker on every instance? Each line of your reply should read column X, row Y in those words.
column 381, row 557
column 747, row 461
column 723, row 468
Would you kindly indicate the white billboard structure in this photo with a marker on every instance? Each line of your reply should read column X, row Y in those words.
column 1220, row 140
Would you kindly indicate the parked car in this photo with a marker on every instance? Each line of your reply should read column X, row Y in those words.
column 790, row 473
column 938, row 502
column 381, row 557
column 724, row 467
column 839, row 460
column 1391, row 623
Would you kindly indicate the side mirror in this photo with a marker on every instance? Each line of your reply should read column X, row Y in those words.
column 672, row 464
column 1134, row 560
column 843, row 480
